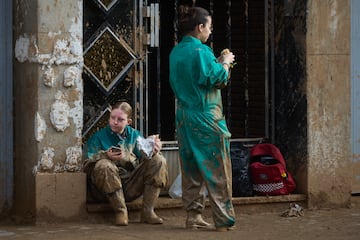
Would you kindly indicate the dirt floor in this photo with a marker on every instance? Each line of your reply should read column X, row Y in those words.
column 322, row 224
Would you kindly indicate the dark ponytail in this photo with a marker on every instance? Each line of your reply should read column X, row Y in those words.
column 189, row 18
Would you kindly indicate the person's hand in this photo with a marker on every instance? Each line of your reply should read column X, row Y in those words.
column 158, row 144
column 227, row 57
column 114, row 154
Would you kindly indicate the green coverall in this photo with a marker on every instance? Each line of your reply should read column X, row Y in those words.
column 196, row 77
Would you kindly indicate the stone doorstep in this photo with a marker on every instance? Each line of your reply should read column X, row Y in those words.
column 266, row 203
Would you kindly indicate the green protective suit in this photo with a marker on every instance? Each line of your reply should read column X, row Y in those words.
column 196, row 78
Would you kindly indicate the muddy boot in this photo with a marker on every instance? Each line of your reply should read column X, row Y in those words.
column 224, row 229
column 194, row 220
column 117, row 202
column 148, row 215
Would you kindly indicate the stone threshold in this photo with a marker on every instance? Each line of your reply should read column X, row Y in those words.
column 165, row 202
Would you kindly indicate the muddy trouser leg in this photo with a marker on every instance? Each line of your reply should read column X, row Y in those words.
column 148, row 179
column 207, row 163
column 193, row 195
column 105, row 176
column 220, row 194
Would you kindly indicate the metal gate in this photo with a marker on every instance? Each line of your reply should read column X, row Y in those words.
column 116, row 36
column 119, row 36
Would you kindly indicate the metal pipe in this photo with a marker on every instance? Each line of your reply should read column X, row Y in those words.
column 272, row 46
column 266, row 45
column 158, row 95
column 143, row 120
column 246, row 70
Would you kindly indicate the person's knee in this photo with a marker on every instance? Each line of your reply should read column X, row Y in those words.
column 105, row 176
column 105, row 165
column 158, row 159
column 103, row 162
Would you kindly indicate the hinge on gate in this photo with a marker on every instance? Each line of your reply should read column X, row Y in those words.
column 152, row 13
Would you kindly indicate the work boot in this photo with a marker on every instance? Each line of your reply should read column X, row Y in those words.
column 150, row 197
column 117, row 202
column 225, row 229
column 194, row 220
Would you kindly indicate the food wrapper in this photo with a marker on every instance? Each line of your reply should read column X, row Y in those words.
column 146, row 146
column 225, row 51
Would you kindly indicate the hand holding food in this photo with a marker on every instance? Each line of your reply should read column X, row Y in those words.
column 227, row 57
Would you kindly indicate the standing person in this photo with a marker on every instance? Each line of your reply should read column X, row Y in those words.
column 118, row 171
column 196, row 77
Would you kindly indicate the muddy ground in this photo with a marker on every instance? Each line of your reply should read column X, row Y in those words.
column 342, row 224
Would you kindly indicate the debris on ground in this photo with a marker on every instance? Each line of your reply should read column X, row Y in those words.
column 295, row 210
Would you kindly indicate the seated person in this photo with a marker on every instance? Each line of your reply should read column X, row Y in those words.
column 118, row 169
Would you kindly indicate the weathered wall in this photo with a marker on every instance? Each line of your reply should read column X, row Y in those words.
column 328, row 97
column 48, row 98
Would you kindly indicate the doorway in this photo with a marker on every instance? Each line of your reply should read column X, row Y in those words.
column 121, row 62
column 241, row 26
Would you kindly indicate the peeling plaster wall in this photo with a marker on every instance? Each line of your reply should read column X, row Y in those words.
column 328, row 97
column 48, row 94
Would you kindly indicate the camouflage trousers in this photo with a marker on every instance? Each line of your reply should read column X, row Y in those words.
column 104, row 177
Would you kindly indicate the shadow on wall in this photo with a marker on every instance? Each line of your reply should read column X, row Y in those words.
column 290, row 85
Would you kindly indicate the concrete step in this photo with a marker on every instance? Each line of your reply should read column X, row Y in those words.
column 167, row 206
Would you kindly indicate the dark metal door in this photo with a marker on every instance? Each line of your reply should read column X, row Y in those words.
column 115, row 58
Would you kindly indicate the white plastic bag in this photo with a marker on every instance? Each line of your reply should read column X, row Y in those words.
column 175, row 190
column 146, row 146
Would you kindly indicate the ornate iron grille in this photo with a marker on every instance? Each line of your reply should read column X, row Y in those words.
column 109, row 59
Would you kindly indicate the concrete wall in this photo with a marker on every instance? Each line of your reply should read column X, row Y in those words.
column 328, row 97
column 48, row 105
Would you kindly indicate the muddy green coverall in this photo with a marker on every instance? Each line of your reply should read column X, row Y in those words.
column 196, row 77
